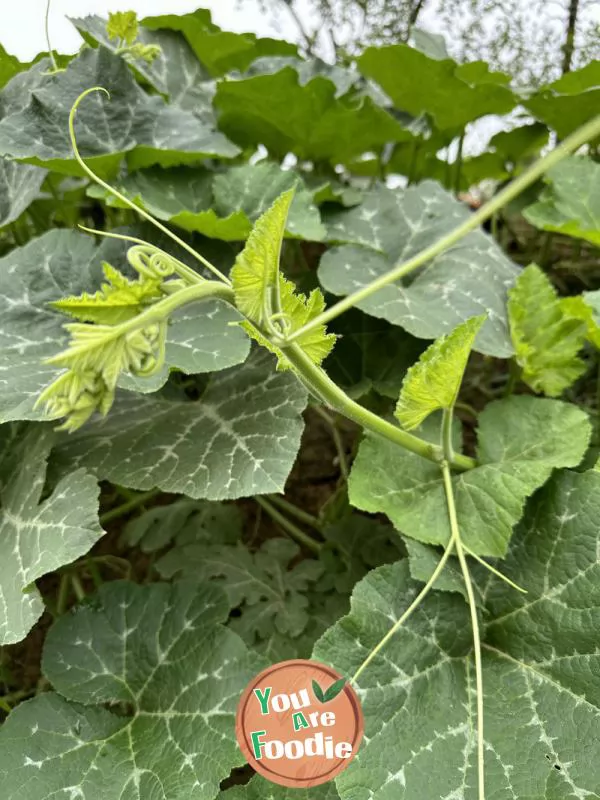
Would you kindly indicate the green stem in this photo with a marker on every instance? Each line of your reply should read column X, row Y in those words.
column 95, row 573
column 293, row 530
column 8, row 700
column 455, row 532
column 458, row 163
column 514, row 374
column 63, row 595
column 412, row 607
column 545, row 249
column 16, row 234
column 495, row 218
column 130, row 505
column 447, row 445
column 148, row 217
column 494, row 571
column 337, row 440
column 512, row 190
column 299, row 513
column 77, row 587
column 335, row 398
column 47, row 29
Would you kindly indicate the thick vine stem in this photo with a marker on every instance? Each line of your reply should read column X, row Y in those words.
column 335, row 398
column 585, row 134
column 163, row 309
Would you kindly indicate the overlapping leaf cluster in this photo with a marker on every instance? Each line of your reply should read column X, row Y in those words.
column 199, row 131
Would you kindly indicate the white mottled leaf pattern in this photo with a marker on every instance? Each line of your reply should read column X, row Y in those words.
column 19, row 185
column 239, row 439
column 145, row 128
column 390, row 226
column 37, row 536
column 173, row 674
column 541, row 669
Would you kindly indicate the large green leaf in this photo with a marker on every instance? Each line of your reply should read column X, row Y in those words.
column 569, row 102
column 182, row 523
column 353, row 545
column 520, row 441
column 308, row 120
column 37, row 536
column 270, row 594
column 239, row 439
column 131, row 122
column 571, row 203
column 221, row 51
column 547, row 332
column 541, row 669
column 390, row 226
column 201, row 540
column 221, row 206
column 433, row 383
column 253, row 188
column 423, row 560
column 520, row 143
column 19, row 186
column 9, row 66
column 201, row 338
column 161, row 657
column 453, row 95
column 175, row 72
column 344, row 78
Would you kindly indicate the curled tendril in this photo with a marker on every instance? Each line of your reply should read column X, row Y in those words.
column 186, row 273
column 151, row 262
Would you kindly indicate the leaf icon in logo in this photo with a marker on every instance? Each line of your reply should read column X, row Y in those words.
column 318, row 692
column 329, row 694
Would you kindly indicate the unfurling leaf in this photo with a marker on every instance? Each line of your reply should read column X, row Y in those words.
column 299, row 310
column 256, row 270
column 145, row 52
column 118, row 300
column 434, row 381
column 123, row 25
column 266, row 298
column 547, row 333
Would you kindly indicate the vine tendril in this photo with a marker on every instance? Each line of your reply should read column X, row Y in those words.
column 129, row 203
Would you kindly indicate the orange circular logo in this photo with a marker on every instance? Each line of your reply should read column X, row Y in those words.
column 299, row 723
